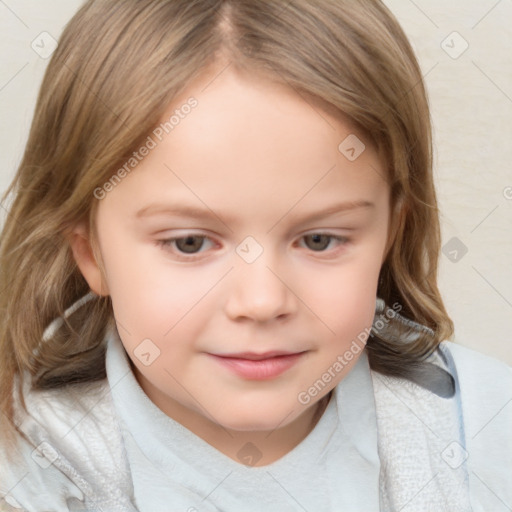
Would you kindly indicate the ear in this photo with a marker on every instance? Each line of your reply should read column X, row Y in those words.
column 90, row 266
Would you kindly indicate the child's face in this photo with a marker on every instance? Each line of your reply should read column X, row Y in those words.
column 262, row 164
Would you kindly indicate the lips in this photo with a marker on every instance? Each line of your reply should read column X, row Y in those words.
column 263, row 366
column 253, row 356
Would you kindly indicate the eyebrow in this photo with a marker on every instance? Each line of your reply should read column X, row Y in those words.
column 207, row 213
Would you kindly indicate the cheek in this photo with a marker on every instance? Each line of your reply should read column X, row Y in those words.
column 161, row 305
column 344, row 293
column 150, row 295
column 346, row 311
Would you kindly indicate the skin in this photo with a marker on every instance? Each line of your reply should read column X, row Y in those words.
column 259, row 158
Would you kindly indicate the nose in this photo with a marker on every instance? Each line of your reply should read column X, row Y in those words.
column 258, row 292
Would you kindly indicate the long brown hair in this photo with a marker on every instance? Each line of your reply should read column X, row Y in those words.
column 117, row 67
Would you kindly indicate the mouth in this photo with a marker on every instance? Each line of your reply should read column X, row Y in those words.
column 263, row 366
column 253, row 356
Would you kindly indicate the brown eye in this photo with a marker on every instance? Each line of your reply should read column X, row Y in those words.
column 187, row 248
column 317, row 241
column 321, row 242
column 189, row 244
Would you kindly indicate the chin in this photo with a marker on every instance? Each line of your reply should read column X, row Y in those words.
column 254, row 421
column 254, row 426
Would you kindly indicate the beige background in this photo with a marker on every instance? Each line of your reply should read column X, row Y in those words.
column 470, row 91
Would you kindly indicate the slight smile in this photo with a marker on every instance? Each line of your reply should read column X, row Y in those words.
column 254, row 366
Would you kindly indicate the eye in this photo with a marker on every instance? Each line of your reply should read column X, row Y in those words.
column 190, row 244
column 319, row 242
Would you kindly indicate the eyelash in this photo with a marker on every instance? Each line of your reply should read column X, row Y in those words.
column 169, row 242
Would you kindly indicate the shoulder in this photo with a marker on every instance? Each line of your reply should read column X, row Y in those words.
column 69, row 437
column 464, row 438
column 484, row 383
column 466, row 358
column 485, row 400
column 61, row 409
column 480, row 377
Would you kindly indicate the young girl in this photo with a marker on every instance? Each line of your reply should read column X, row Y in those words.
column 218, row 274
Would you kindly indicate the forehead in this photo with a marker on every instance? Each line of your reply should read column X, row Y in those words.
column 250, row 143
column 260, row 103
